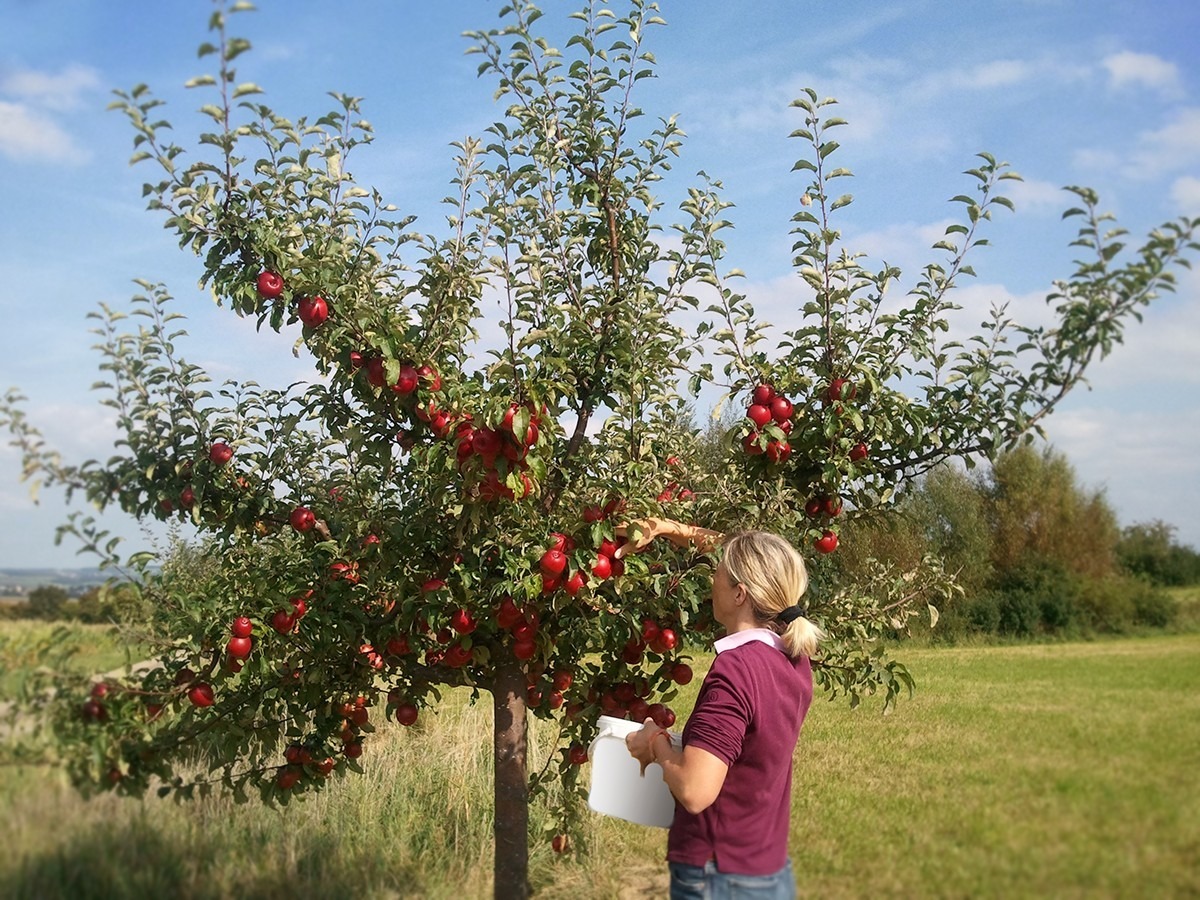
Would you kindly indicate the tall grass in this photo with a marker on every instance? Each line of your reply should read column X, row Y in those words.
column 1066, row 770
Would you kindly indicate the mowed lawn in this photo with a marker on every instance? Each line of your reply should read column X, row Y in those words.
column 1066, row 770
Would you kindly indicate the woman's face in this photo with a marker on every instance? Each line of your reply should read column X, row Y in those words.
column 725, row 596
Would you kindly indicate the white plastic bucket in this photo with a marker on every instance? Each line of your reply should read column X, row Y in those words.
column 618, row 788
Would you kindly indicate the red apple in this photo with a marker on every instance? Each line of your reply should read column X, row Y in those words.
column 524, row 630
column 340, row 570
column 270, row 285
column 406, row 380
column 778, row 451
column 858, row 452
column 397, row 645
column 840, row 389
column 813, row 507
column 593, row 514
column 94, row 711
column 759, row 415
column 524, row 650
column 507, row 614
column 826, row 543
column 220, row 453
column 299, row 604
column 667, row 639
column 763, row 394
column 462, row 621
column 750, row 444
column 313, row 311
column 187, row 498
column 201, row 694
column 430, row 376
column 242, row 627
column 559, row 843
column 832, row 505
column 553, row 563
column 575, row 583
column 353, row 749
column 282, row 621
column 376, row 371
column 781, row 409
column 240, row 647
column 602, row 568
column 632, row 652
column 577, row 754
column 650, row 630
column 406, row 714
column 458, row 656
column 681, row 673
column 302, row 519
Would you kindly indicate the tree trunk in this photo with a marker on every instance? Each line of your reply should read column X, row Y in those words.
column 511, row 827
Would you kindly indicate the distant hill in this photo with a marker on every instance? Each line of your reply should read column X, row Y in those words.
column 65, row 578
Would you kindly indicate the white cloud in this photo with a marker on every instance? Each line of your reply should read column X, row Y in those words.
column 1033, row 196
column 28, row 135
column 1174, row 146
column 1145, row 461
column 1128, row 69
column 1185, row 193
column 29, row 130
column 56, row 91
column 999, row 73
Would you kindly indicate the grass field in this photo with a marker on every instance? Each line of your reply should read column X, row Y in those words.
column 1057, row 770
column 92, row 648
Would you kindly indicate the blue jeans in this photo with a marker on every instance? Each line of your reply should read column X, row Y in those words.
column 706, row 883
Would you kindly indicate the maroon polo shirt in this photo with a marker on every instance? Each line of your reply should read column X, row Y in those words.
column 749, row 712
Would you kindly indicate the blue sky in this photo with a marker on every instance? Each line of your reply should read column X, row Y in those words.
column 1104, row 93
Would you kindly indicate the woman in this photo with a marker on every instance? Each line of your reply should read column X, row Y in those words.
column 732, row 780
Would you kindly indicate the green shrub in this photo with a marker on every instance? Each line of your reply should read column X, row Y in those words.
column 1037, row 597
column 1106, row 605
column 1152, row 606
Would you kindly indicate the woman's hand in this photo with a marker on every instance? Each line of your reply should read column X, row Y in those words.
column 641, row 533
column 641, row 743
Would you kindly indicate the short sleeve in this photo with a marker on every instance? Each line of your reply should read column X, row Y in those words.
column 721, row 717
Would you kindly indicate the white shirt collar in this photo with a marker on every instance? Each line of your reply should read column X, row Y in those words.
column 740, row 638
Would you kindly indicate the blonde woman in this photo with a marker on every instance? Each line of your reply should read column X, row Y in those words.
column 732, row 779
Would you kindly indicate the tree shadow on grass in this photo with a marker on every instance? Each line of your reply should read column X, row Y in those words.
column 134, row 860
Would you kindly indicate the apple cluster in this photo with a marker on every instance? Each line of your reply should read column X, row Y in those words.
column 674, row 492
column 770, row 414
column 498, row 457
column 312, row 311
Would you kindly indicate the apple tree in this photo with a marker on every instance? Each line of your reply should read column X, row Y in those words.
column 436, row 507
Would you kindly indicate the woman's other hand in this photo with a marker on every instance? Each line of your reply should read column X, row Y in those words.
column 641, row 533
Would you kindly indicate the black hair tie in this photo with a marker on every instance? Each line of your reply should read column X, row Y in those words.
column 791, row 614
